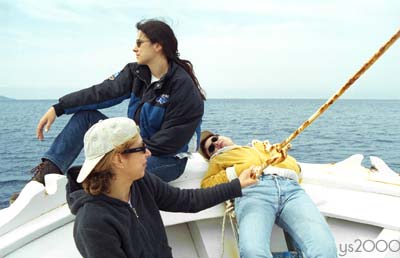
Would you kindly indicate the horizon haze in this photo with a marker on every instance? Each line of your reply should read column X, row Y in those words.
column 304, row 49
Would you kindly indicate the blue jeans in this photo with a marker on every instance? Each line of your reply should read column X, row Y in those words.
column 281, row 201
column 69, row 143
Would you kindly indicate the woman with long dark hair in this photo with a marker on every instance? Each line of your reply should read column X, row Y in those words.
column 166, row 100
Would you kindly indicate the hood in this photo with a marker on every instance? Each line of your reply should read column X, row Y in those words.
column 77, row 197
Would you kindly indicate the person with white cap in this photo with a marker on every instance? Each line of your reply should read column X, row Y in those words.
column 117, row 204
column 276, row 199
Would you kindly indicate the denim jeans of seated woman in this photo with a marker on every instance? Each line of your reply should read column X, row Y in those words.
column 69, row 143
column 281, row 201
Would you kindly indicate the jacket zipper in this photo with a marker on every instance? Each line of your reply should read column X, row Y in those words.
column 137, row 218
column 145, row 233
column 136, row 116
column 134, row 211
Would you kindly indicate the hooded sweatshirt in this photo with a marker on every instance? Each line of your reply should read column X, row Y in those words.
column 108, row 227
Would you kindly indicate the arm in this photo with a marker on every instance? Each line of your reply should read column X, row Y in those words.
column 173, row 199
column 182, row 117
column 169, row 198
column 106, row 94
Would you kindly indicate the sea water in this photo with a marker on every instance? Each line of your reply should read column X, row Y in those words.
column 368, row 127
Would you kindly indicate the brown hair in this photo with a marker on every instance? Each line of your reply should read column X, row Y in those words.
column 99, row 180
column 204, row 152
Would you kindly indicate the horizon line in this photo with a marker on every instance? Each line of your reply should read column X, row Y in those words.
column 232, row 98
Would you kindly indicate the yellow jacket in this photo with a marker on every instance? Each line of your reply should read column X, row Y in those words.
column 241, row 158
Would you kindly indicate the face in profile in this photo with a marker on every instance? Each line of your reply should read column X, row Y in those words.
column 134, row 159
column 215, row 143
column 144, row 49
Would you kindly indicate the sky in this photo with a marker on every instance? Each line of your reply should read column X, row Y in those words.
column 239, row 49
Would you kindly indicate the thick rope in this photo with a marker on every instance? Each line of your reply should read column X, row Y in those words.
column 229, row 208
column 234, row 225
column 282, row 148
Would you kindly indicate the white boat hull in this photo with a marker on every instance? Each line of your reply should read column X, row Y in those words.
column 362, row 209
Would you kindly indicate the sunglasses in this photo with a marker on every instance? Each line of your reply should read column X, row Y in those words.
column 211, row 148
column 137, row 149
column 139, row 42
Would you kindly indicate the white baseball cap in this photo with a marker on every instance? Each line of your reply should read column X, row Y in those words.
column 102, row 138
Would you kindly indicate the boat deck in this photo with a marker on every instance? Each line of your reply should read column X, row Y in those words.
column 356, row 209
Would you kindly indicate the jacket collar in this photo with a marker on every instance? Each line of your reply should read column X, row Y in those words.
column 77, row 197
column 225, row 149
column 143, row 73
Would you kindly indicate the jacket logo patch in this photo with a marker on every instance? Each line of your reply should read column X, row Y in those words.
column 162, row 99
column 112, row 77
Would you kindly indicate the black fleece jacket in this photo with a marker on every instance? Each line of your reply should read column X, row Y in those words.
column 108, row 227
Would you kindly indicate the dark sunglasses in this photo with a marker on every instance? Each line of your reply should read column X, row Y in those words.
column 137, row 149
column 214, row 139
column 139, row 42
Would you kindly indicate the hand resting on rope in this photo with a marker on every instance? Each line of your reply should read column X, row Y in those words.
column 248, row 177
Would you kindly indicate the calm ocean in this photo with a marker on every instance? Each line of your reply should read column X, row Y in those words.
column 369, row 127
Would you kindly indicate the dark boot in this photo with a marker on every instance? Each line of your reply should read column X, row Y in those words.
column 13, row 197
column 44, row 168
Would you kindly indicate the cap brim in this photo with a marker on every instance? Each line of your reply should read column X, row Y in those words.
column 87, row 167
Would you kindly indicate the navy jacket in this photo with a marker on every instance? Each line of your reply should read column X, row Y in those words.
column 108, row 227
column 168, row 111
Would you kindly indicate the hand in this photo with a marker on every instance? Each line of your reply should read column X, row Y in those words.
column 248, row 177
column 46, row 121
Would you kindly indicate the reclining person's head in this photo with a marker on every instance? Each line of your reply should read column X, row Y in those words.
column 210, row 143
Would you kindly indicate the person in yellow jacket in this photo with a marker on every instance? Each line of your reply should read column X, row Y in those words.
column 276, row 199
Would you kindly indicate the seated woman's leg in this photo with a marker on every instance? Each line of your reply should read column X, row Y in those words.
column 69, row 142
column 255, row 212
column 166, row 168
column 303, row 221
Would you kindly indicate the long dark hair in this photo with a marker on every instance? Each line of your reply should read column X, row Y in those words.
column 159, row 32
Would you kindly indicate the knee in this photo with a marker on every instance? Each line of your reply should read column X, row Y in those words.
column 250, row 250
column 84, row 114
column 87, row 118
column 330, row 250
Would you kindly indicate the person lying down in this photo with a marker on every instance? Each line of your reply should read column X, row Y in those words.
column 276, row 199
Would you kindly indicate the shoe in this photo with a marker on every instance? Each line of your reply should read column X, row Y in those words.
column 13, row 197
column 44, row 168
